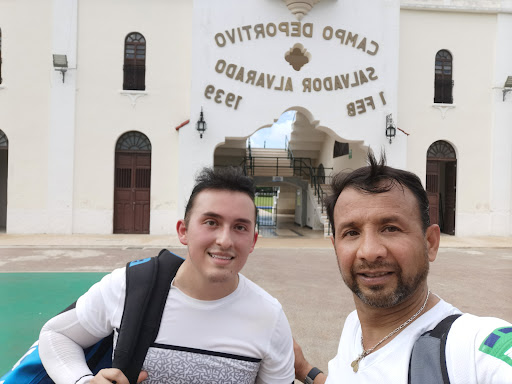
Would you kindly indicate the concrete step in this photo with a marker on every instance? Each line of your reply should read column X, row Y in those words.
column 268, row 153
column 271, row 171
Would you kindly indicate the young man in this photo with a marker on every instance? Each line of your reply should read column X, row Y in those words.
column 217, row 326
column 384, row 243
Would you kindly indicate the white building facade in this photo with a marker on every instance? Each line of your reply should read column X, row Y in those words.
column 108, row 143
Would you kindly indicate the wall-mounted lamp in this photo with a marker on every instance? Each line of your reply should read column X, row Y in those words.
column 390, row 128
column 201, row 124
column 507, row 87
column 60, row 63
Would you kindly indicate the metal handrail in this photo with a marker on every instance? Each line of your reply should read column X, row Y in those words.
column 302, row 166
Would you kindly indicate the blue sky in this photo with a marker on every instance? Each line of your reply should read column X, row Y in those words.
column 274, row 136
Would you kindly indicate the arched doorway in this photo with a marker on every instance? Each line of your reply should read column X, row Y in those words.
column 441, row 185
column 132, row 183
column 4, row 148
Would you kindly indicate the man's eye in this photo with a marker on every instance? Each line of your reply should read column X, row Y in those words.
column 210, row 223
column 241, row 228
column 350, row 233
column 392, row 229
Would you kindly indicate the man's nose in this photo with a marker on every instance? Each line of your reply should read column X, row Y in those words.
column 371, row 247
column 224, row 239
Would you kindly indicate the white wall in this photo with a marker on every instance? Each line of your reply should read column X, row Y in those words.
column 104, row 112
column 377, row 21
column 501, row 134
column 24, row 116
column 468, row 125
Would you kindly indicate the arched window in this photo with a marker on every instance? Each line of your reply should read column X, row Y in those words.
column 133, row 141
column 0, row 56
column 134, row 62
column 443, row 78
column 441, row 150
column 4, row 143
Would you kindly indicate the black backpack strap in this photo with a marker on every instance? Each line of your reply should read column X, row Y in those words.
column 428, row 357
column 148, row 282
column 441, row 331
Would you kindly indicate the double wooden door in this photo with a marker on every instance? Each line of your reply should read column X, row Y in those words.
column 441, row 188
column 132, row 192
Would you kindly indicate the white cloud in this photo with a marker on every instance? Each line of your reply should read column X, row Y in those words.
column 274, row 136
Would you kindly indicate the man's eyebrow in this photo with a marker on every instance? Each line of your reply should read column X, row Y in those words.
column 392, row 218
column 217, row 216
column 383, row 220
column 345, row 224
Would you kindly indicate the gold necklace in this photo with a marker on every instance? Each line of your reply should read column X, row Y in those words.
column 366, row 352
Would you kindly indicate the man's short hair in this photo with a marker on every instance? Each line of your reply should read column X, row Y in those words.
column 377, row 177
column 222, row 179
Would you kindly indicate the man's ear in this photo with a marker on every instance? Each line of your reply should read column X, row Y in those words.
column 181, row 229
column 433, row 238
column 254, row 240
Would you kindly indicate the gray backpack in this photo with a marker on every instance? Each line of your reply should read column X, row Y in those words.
column 428, row 358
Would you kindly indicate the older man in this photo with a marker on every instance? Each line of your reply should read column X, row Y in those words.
column 384, row 243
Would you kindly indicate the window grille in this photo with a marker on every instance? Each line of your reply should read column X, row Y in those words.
column 133, row 141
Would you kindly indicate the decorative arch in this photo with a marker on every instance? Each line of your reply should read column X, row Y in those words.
column 4, row 142
column 441, row 185
column 441, row 150
column 132, row 180
column 134, row 62
column 133, row 141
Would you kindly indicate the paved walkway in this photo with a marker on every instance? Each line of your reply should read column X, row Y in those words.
column 305, row 240
column 301, row 271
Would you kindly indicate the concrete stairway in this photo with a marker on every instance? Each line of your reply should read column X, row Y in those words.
column 271, row 162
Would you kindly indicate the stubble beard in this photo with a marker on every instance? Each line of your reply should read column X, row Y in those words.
column 379, row 299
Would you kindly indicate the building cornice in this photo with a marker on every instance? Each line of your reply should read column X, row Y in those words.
column 471, row 6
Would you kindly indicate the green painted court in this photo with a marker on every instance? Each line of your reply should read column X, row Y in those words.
column 27, row 301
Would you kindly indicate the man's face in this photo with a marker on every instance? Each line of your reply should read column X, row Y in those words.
column 382, row 252
column 220, row 234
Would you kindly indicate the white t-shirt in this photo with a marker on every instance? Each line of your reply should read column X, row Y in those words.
column 241, row 338
column 390, row 364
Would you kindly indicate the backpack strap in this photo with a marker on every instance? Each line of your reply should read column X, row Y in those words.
column 148, row 282
column 428, row 357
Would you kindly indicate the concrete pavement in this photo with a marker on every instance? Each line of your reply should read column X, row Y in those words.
column 308, row 240
column 301, row 271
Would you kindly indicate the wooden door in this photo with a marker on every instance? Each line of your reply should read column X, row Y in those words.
column 450, row 189
column 132, row 192
column 433, row 190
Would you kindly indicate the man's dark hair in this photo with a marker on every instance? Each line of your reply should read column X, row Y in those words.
column 222, row 179
column 377, row 177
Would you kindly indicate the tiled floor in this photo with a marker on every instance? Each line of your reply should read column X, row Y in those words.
column 286, row 228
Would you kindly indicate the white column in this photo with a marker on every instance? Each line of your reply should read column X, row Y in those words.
column 501, row 171
column 61, row 131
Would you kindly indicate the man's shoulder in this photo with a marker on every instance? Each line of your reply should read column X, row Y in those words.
column 478, row 326
column 488, row 341
column 253, row 289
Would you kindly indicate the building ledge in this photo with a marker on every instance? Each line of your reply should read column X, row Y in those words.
column 490, row 6
column 133, row 95
column 443, row 108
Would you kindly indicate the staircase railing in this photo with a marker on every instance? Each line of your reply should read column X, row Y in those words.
column 302, row 167
column 249, row 164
